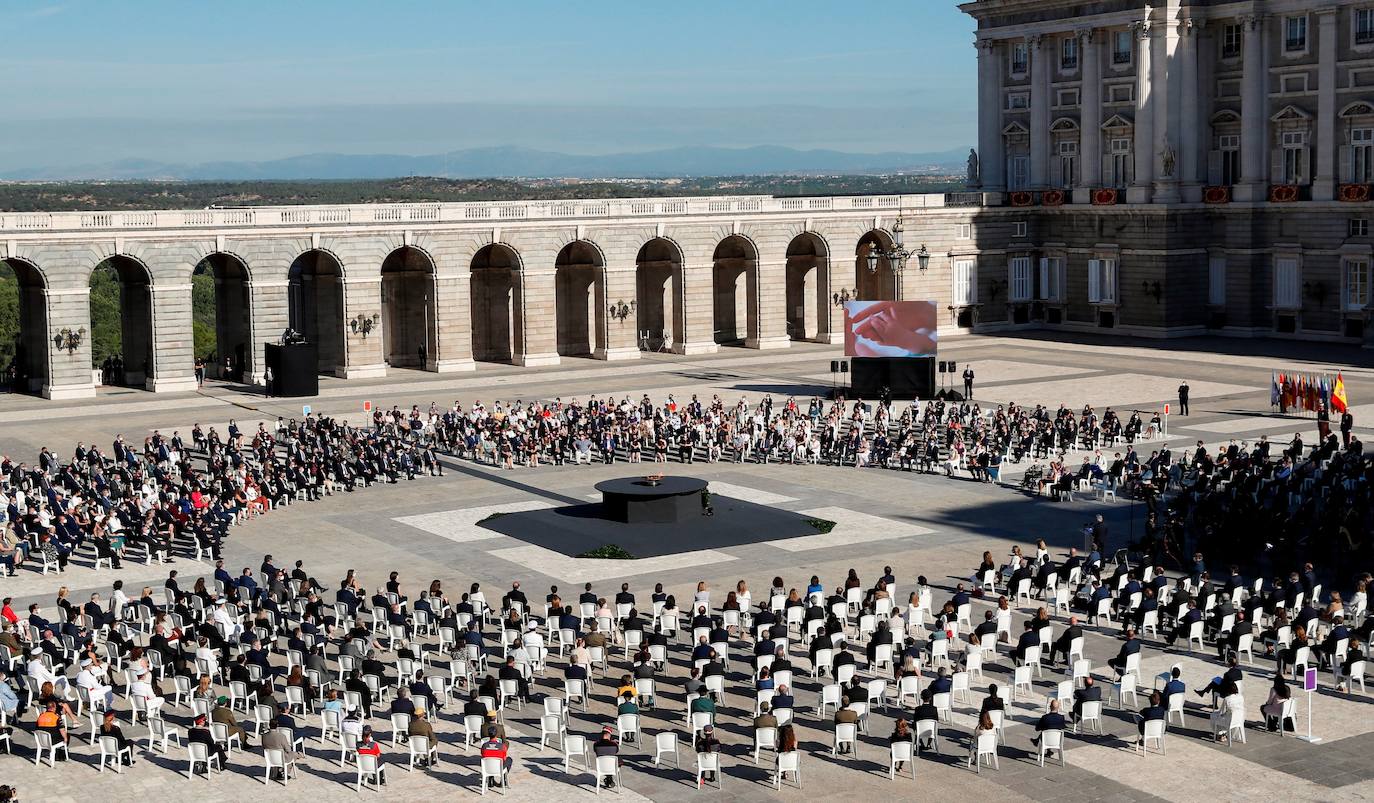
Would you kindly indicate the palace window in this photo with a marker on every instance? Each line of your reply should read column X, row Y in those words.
column 965, row 291
column 1121, row 48
column 1362, row 155
column 1020, row 58
column 1020, row 279
column 1122, row 164
column 1286, row 289
column 1295, row 34
column 1052, row 279
column 1102, row 281
column 1231, row 40
column 1068, row 53
column 1216, row 281
column 1364, row 26
column 1355, row 294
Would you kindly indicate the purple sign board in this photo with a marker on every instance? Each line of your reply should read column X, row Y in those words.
column 1309, row 679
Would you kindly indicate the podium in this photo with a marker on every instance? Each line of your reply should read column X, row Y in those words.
column 295, row 368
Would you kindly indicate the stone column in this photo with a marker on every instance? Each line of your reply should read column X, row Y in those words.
column 363, row 351
column 453, row 325
column 622, row 335
column 992, row 160
column 766, row 289
column 1254, row 114
column 1163, row 97
column 1324, row 183
column 1089, row 118
column 1189, row 148
column 1140, row 190
column 698, row 309
column 536, row 340
column 173, row 367
column 270, row 314
column 69, row 372
column 1040, row 48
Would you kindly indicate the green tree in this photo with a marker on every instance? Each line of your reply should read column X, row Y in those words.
column 9, row 314
column 203, row 311
column 107, row 335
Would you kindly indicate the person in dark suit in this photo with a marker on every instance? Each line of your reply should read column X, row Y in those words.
column 1155, row 710
column 1029, row 638
column 1090, row 693
column 993, row 702
column 1062, row 644
column 1183, row 398
column 1227, row 684
column 1185, row 622
column 941, row 683
column 1131, row 647
column 985, row 628
column 926, row 711
column 1231, row 643
column 1050, row 721
column 1174, row 685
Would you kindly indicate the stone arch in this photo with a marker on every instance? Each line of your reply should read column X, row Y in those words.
column 808, row 287
column 495, row 299
column 315, row 300
column 230, row 315
column 122, row 321
column 659, row 315
column 879, row 284
column 734, row 286
column 24, row 345
column 410, row 324
column 580, row 299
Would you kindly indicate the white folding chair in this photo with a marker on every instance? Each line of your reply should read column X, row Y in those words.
column 709, row 762
column 1051, row 740
column 986, row 746
column 1154, row 732
column 665, row 742
column 901, row 753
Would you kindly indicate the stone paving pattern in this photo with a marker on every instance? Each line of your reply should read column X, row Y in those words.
column 918, row 524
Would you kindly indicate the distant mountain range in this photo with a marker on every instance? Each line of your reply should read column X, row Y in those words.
column 503, row 162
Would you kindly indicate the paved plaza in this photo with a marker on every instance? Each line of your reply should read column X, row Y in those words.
column 918, row 524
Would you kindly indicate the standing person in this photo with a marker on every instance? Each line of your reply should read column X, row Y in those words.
column 267, row 380
column 1323, row 422
column 1347, row 424
column 968, row 382
column 200, row 372
column 1183, row 398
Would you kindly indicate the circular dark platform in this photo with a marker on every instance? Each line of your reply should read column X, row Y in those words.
column 634, row 500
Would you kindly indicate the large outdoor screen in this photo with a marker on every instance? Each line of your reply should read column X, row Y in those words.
column 889, row 329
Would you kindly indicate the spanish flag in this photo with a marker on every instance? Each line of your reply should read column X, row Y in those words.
column 1338, row 401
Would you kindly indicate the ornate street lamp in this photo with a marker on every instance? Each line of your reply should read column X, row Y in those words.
column 363, row 325
column 898, row 255
column 68, row 340
column 619, row 310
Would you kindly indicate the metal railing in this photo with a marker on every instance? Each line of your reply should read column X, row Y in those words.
column 479, row 211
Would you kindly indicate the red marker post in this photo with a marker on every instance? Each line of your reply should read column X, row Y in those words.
column 1165, row 423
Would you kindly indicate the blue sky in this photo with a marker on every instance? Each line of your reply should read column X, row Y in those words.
column 88, row 82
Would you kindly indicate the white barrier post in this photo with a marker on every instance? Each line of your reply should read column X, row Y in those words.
column 1309, row 685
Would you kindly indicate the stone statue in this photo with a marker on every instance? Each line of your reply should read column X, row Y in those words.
column 1169, row 158
column 974, row 173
